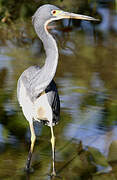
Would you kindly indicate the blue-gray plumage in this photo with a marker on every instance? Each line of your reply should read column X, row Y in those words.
column 36, row 90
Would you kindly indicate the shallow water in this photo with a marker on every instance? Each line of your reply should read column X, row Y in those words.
column 87, row 83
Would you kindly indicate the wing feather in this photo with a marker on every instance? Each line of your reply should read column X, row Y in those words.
column 54, row 101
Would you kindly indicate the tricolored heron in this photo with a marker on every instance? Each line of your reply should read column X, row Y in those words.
column 36, row 91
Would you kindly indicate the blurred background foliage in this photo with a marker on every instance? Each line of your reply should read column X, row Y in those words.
column 86, row 138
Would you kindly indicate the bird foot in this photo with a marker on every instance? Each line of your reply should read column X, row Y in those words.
column 53, row 173
column 29, row 170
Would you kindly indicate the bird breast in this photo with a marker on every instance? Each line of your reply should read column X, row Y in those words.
column 37, row 110
column 42, row 109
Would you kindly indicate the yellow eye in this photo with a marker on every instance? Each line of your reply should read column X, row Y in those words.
column 54, row 12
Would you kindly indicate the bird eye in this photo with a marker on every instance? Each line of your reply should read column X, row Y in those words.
column 54, row 12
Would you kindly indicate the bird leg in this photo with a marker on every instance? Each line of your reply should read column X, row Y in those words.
column 53, row 151
column 33, row 138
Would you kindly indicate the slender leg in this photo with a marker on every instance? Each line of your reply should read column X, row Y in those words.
column 53, row 150
column 33, row 138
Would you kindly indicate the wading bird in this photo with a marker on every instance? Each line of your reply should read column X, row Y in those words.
column 36, row 90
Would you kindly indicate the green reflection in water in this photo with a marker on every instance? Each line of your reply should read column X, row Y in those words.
column 86, row 78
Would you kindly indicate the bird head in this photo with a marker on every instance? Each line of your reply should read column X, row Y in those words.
column 48, row 13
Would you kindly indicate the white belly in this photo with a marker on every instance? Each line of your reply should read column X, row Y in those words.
column 42, row 109
column 39, row 110
column 25, row 103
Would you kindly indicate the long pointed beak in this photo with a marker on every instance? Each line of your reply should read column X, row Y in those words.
column 68, row 15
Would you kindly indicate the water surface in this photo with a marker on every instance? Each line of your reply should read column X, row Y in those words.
column 87, row 83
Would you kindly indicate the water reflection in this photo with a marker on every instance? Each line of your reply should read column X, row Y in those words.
column 86, row 79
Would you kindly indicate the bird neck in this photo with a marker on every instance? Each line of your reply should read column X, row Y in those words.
column 51, row 50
